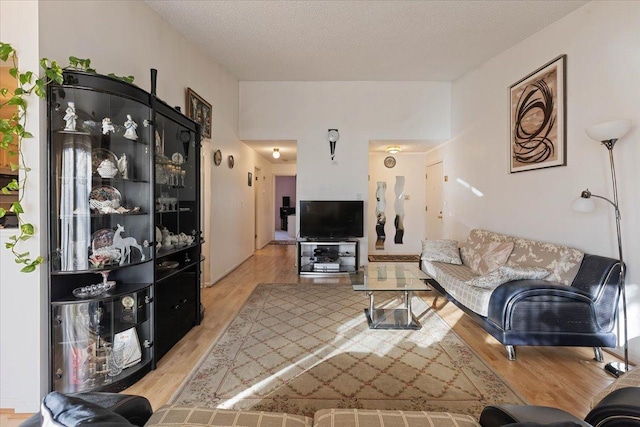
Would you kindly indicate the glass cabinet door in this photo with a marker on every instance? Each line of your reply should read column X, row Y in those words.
column 100, row 180
column 99, row 342
column 176, row 189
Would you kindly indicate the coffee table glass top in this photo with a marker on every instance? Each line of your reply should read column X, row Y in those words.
column 388, row 276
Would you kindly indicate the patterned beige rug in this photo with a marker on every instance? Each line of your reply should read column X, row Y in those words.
column 300, row 348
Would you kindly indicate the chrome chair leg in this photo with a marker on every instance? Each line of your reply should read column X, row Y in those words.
column 597, row 351
column 511, row 352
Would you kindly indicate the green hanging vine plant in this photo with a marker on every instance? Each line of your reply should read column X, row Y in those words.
column 14, row 128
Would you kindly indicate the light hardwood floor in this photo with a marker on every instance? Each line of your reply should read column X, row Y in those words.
column 563, row 377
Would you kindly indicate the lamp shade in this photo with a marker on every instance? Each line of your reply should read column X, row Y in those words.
column 609, row 130
column 583, row 205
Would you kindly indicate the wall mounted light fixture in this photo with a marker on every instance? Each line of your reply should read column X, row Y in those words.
column 333, row 137
column 276, row 153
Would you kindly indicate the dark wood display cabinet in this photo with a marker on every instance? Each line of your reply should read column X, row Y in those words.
column 177, row 219
column 107, row 280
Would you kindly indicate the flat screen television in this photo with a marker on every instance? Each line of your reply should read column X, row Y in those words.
column 331, row 219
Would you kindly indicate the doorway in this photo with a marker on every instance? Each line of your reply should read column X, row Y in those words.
column 285, row 208
column 433, row 214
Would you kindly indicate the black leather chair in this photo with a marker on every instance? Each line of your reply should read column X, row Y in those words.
column 620, row 408
column 94, row 408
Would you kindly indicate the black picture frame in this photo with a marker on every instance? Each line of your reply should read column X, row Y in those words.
column 538, row 117
column 199, row 111
column 250, row 179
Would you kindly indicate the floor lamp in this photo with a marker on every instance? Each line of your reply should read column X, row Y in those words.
column 608, row 134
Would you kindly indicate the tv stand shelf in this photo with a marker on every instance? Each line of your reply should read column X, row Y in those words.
column 320, row 257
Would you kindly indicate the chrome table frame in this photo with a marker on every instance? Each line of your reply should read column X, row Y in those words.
column 403, row 278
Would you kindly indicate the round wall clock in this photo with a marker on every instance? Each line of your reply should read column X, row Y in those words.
column 389, row 161
column 217, row 157
column 231, row 162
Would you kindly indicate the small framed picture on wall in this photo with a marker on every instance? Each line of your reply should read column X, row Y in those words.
column 250, row 179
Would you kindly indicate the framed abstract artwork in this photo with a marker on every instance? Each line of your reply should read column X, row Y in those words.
column 199, row 111
column 537, row 125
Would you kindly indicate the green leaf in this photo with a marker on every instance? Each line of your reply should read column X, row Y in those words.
column 7, row 139
column 4, row 91
column 13, row 72
column 9, row 245
column 28, row 229
column 14, row 167
column 26, row 77
column 3, row 212
column 16, row 207
column 6, row 50
column 18, row 91
column 29, row 268
column 5, row 190
column 17, row 100
column 13, row 185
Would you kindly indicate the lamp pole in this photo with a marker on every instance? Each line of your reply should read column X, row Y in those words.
column 615, row 368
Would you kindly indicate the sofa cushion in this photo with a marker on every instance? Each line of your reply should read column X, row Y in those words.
column 490, row 257
column 389, row 418
column 507, row 273
column 177, row 415
column 441, row 251
column 562, row 262
column 453, row 279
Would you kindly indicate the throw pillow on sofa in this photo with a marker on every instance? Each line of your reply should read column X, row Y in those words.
column 507, row 273
column 441, row 251
column 489, row 257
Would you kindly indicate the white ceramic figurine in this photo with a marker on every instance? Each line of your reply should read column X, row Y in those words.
column 107, row 126
column 70, row 117
column 130, row 126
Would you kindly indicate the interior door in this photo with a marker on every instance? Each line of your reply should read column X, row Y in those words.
column 433, row 214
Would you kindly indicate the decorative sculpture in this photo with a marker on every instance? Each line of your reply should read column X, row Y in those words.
column 124, row 245
column 107, row 126
column 381, row 218
column 399, row 208
column 123, row 165
column 130, row 128
column 70, row 117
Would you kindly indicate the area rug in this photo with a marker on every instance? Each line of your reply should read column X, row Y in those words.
column 282, row 242
column 298, row 348
column 394, row 258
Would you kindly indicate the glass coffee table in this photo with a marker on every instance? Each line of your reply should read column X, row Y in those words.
column 390, row 277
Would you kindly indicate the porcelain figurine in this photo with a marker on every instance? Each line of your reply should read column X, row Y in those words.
column 123, row 165
column 70, row 117
column 107, row 126
column 130, row 129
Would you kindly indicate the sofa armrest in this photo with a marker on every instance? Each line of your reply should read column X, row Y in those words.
column 506, row 297
column 621, row 407
column 135, row 409
column 502, row 415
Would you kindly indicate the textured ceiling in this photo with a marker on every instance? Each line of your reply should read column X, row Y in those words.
column 356, row 41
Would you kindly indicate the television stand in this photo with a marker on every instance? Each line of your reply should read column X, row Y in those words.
column 327, row 257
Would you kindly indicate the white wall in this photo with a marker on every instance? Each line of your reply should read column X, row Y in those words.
column 23, row 297
column 126, row 38
column 413, row 167
column 602, row 41
column 362, row 111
